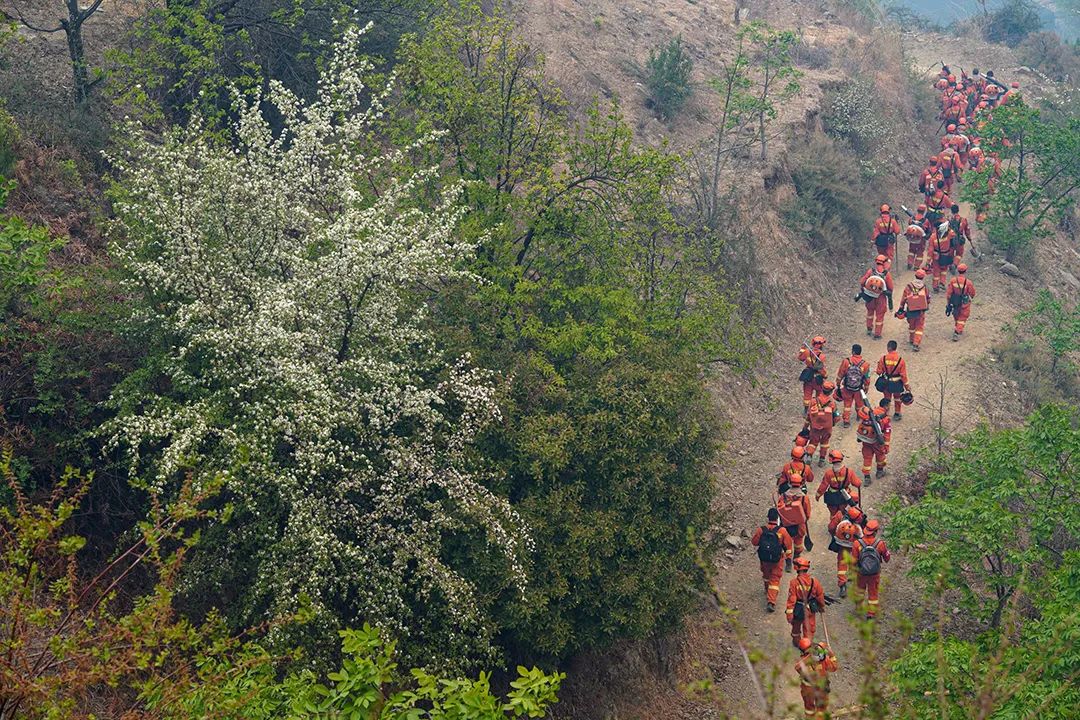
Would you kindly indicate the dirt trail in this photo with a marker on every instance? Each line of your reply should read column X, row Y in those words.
column 769, row 438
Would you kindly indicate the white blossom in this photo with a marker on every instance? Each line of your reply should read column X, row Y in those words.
column 284, row 285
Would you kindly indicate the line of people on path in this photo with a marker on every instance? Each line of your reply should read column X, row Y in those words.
column 938, row 236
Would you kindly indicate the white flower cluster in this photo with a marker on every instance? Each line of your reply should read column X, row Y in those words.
column 282, row 271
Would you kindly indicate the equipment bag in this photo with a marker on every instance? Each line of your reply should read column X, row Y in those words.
column 835, row 546
column 869, row 559
column 835, row 498
column 881, row 384
column 798, row 612
column 807, row 375
column 854, row 377
column 769, row 548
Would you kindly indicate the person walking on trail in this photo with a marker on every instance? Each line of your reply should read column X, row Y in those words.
column 820, row 417
column 958, row 224
column 915, row 232
column 806, row 598
column 958, row 300
column 845, row 526
column 794, row 508
column 813, row 668
column 875, row 289
column 869, row 554
column 943, row 245
column 949, row 162
column 892, row 379
column 914, row 303
column 884, row 234
column 837, row 484
column 774, row 547
column 797, row 471
column 852, row 380
column 874, row 435
column 813, row 356
column 930, row 177
column 937, row 204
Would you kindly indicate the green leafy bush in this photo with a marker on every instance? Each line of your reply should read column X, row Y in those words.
column 857, row 113
column 667, row 75
column 1012, row 22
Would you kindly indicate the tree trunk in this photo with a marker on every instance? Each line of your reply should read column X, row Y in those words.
column 73, row 29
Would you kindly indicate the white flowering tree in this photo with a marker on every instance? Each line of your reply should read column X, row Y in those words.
column 279, row 277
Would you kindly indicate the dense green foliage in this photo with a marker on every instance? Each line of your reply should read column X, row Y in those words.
column 996, row 531
column 1012, row 22
column 667, row 75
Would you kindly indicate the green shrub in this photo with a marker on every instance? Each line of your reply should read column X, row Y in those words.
column 856, row 112
column 668, row 78
column 1045, row 52
column 1012, row 22
column 9, row 136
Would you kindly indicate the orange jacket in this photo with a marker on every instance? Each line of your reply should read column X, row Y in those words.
column 820, row 413
column 795, row 467
column 885, row 226
column 929, row 178
column 915, row 298
column 815, row 673
column 948, row 160
column 939, row 201
column 782, row 534
column 846, row 363
column 865, row 432
column 960, row 286
column 868, row 541
column 811, row 361
column 892, row 365
column 942, row 247
column 872, row 271
column 832, row 480
column 803, row 587
column 965, row 229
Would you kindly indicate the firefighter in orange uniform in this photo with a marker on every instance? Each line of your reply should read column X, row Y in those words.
column 845, row 526
column 774, row 546
column 806, row 591
column 913, row 306
column 820, row 418
column 943, row 252
column 916, row 239
column 958, row 299
column 961, row 229
column 813, row 668
column 869, row 552
column 837, row 484
column 930, row 177
column 884, row 234
column 794, row 509
column 875, row 289
column 873, row 446
column 937, row 204
column 797, row 471
column 854, row 376
column 814, row 373
column 893, row 369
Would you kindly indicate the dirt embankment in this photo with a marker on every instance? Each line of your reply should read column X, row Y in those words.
column 597, row 48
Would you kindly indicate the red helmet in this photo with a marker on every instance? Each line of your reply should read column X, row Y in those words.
column 872, row 526
column 828, row 386
column 881, row 259
column 797, row 452
column 800, row 442
column 921, row 208
column 885, row 209
column 805, row 644
column 854, row 514
column 1014, row 84
column 951, row 128
column 818, row 340
column 933, row 159
column 920, row 274
column 961, row 268
column 801, row 564
column 836, row 456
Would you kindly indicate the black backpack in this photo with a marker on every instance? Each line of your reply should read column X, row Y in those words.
column 769, row 548
column 869, row 559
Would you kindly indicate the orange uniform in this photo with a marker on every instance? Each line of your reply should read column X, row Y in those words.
column 943, row 251
column 805, row 588
column 847, row 378
column 773, row 572
column 929, row 178
column 794, row 473
column 869, row 583
column 938, row 204
column 873, row 448
column 884, row 234
column 877, row 288
column 960, row 228
column 815, row 370
column 820, row 417
column 845, row 530
column 949, row 162
column 834, row 483
column 916, row 238
column 959, row 295
column 915, row 302
column 814, row 681
column 794, row 509
column 894, row 369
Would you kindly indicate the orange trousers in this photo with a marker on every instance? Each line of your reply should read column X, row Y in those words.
column 875, row 314
column 915, row 254
column 869, row 584
column 897, row 404
column 803, row 629
column 808, row 389
column 916, row 321
column 941, row 274
column 870, row 452
column 798, row 537
column 850, row 397
column 771, row 575
column 960, row 318
column 842, row 566
column 815, row 701
column 819, row 440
